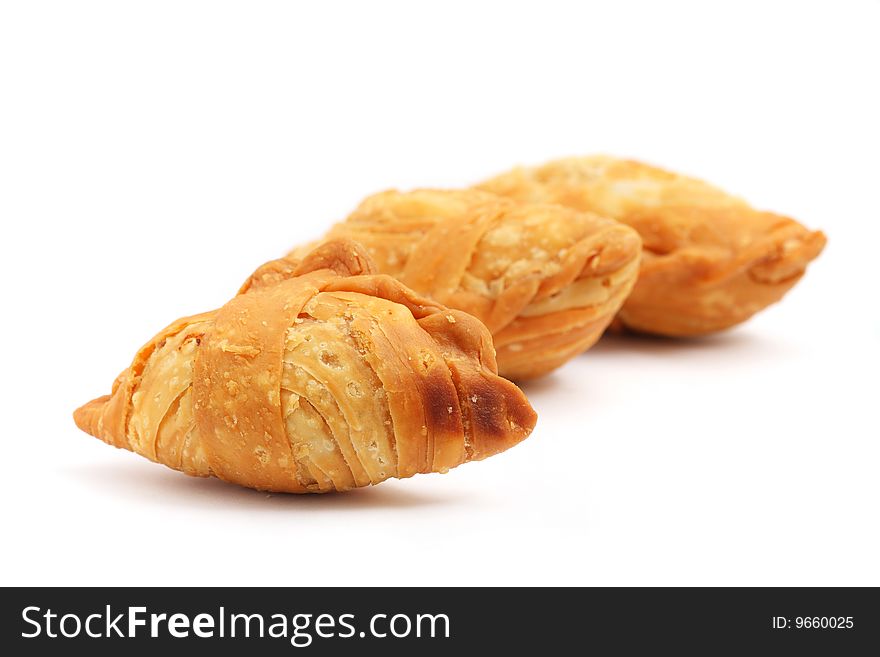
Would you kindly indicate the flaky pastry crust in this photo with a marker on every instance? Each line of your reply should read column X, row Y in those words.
column 710, row 260
column 320, row 376
column 546, row 280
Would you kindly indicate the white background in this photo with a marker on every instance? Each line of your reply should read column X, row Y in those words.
column 152, row 154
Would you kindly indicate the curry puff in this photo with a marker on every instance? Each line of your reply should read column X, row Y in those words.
column 319, row 376
column 546, row 280
column 710, row 260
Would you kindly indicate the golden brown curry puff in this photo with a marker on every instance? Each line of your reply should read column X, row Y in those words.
column 318, row 377
column 546, row 280
column 711, row 261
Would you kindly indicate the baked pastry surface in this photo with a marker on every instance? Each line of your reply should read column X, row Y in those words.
column 710, row 260
column 319, row 376
column 546, row 280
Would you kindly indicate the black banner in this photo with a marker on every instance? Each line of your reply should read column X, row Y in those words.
column 438, row 621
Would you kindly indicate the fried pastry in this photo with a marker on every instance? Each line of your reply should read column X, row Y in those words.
column 546, row 280
column 710, row 260
column 321, row 376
